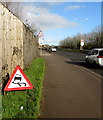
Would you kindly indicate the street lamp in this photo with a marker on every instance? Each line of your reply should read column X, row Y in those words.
column 82, row 40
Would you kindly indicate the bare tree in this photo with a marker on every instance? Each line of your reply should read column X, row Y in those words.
column 17, row 9
column 14, row 7
column 92, row 39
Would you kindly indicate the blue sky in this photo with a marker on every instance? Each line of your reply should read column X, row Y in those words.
column 59, row 20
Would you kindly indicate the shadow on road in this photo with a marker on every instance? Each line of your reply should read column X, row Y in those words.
column 94, row 68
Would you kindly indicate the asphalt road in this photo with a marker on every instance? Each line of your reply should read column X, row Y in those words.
column 70, row 90
column 79, row 59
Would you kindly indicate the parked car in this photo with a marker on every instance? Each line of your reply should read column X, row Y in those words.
column 53, row 50
column 95, row 56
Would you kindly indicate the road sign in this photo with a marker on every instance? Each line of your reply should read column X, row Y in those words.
column 40, row 40
column 40, row 34
column 18, row 81
column 82, row 42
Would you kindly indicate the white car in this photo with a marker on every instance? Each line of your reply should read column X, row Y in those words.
column 95, row 56
column 53, row 49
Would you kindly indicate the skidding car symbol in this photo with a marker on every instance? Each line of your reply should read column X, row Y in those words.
column 17, row 80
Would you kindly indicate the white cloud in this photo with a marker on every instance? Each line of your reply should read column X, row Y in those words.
column 75, row 18
column 82, row 19
column 87, row 19
column 43, row 19
column 74, row 7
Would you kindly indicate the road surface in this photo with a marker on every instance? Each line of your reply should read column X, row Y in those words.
column 79, row 59
column 70, row 91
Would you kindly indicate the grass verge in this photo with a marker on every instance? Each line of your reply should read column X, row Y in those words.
column 76, row 50
column 26, row 103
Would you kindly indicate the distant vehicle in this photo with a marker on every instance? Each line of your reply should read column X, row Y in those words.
column 95, row 56
column 53, row 50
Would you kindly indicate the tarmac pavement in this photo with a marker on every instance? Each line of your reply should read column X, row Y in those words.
column 69, row 90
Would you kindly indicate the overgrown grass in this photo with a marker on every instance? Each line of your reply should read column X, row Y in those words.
column 28, row 99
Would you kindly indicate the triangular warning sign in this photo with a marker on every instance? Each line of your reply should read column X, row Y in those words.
column 40, row 33
column 18, row 81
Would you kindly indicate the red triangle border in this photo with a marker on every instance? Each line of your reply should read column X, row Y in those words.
column 18, row 88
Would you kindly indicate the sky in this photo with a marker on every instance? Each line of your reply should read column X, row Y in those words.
column 58, row 20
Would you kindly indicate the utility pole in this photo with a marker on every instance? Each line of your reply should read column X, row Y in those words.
column 82, row 40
